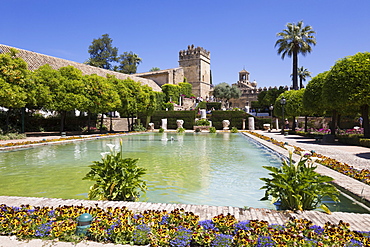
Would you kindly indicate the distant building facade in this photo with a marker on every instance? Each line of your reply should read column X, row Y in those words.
column 194, row 65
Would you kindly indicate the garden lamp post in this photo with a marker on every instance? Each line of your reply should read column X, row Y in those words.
column 83, row 223
column 282, row 102
column 271, row 108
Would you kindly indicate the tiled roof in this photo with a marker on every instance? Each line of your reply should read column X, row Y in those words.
column 35, row 60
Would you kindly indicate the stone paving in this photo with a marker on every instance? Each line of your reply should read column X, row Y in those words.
column 348, row 154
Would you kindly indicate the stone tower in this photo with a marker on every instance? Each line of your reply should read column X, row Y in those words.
column 196, row 63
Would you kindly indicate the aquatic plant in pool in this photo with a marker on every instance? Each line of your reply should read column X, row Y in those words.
column 116, row 178
column 296, row 186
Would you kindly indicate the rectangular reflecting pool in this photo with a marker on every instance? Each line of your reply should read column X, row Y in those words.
column 220, row 169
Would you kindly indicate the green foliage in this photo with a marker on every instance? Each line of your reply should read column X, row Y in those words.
column 172, row 92
column 267, row 98
column 185, row 89
column 365, row 142
column 101, row 95
column 202, row 122
column 297, row 186
column 11, row 136
column 212, row 130
column 312, row 99
column 347, row 83
column 180, row 130
column 128, row 63
column 139, row 127
column 102, row 53
column 154, row 69
column 225, row 92
column 13, row 80
column 172, row 117
column 168, row 106
column 293, row 40
column 294, row 103
column 235, row 118
column 302, row 74
column 201, row 105
column 213, row 106
column 234, row 130
column 116, row 178
column 161, row 130
column 347, row 87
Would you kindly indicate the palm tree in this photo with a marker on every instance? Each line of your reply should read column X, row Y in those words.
column 302, row 74
column 294, row 40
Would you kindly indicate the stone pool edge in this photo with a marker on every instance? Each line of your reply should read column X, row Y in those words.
column 360, row 191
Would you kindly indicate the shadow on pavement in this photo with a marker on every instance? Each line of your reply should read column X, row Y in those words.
column 364, row 155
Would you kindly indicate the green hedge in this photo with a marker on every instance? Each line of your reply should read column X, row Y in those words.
column 365, row 142
column 172, row 117
column 215, row 105
column 235, row 118
column 352, row 139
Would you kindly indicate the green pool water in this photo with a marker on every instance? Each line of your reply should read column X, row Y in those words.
column 220, row 169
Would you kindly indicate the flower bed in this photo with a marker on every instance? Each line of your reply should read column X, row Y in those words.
column 361, row 175
column 176, row 228
column 24, row 143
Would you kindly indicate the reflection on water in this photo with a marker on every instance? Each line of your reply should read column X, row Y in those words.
column 220, row 169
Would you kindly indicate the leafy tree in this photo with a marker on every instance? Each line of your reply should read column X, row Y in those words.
column 136, row 99
column 185, row 89
column 151, row 101
column 302, row 74
column 224, row 92
column 128, row 63
column 312, row 97
column 101, row 96
column 293, row 40
column 267, row 98
column 66, row 87
column 347, row 85
column 293, row 106
column 172, row 92
column 154, row 69
column 102, row 53
column 14, row 83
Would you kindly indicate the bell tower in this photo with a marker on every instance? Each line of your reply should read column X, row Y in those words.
column 244, row 76
column 196, row 63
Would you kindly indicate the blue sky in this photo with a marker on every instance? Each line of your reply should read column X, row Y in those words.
column 239, row 34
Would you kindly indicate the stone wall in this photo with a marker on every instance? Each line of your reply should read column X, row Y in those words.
column 161, row 77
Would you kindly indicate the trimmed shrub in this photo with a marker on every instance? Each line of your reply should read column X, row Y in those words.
column 202, row 122
column 365, row 142
column 215, row 105
column 212, row 130
column 352, row 139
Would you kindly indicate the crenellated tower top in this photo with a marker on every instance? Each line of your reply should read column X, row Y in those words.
column 191, row 51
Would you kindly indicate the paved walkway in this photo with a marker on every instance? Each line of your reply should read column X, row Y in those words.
column 355, row 156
